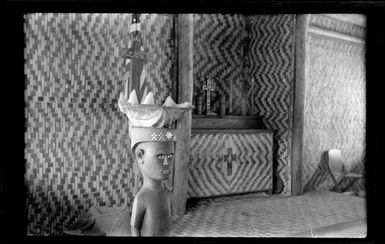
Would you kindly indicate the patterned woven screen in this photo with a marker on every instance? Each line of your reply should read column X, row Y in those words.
column 77, row 145
column 270, row 61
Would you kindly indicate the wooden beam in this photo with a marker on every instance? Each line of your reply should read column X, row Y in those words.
column 299, row 102
column 183, row 126
column 227, row 122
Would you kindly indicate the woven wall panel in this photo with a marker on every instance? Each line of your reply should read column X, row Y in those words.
column 270, row 61
column 77, row 145
column 158, row 37
column 218, row 54
column 335, row 107
column 226, row 163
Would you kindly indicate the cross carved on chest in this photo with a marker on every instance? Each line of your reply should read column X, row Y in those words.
column 209, row 87
column 229, row 158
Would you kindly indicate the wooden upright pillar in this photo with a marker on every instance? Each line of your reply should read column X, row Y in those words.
column 299, row 101
column 183, row 126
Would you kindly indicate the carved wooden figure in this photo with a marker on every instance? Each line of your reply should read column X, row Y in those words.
column 152, row 141
column 152, row 144
column 151, row 211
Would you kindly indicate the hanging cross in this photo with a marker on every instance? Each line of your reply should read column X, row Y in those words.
column 230, row 158
column 209, row 88
column 135, row 55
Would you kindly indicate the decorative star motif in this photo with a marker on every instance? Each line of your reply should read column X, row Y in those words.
column 161, row 136
column 154, row 136
column 169, row 135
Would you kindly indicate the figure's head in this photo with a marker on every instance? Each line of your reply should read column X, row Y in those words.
column 154, row 158
column 151, row 131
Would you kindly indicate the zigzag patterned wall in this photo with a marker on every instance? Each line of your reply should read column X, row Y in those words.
column 270, row 61
column 158, row 36
column 218, row 54
column 227, row 163
column 335, row 107
column 77, row 145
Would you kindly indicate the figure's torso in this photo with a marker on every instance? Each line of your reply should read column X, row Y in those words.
column 157, row 218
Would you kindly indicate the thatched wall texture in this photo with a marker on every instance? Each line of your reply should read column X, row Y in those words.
column 77, row 145
column 335, row 102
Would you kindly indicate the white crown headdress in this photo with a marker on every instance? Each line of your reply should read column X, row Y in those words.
column 150, row 122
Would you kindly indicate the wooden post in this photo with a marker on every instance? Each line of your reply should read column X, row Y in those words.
column 183, row 126
column 299, row 101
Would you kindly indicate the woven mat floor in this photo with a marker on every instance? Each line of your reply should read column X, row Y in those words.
column 318, row 213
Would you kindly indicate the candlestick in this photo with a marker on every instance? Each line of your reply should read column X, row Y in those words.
column 252, row 95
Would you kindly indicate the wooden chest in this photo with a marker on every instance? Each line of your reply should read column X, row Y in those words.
column 230, row 161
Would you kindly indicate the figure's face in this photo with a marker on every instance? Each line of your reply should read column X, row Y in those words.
column 155, row 158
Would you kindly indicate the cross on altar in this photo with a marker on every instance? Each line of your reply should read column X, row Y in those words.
column 135, row 55
column 230, row 158
column 209, row 88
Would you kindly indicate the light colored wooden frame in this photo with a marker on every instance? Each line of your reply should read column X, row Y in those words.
column 299, row 102
column 184, row 25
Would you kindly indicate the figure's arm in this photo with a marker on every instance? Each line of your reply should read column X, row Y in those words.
column 171, row 207
column 138, row 211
